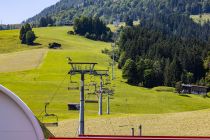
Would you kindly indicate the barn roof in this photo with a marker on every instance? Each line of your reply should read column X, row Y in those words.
column 188, row 85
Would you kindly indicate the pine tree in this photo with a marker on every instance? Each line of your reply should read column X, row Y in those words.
column 30, row 37
column 167, row 76
column 43, row 22
column 129, row 21
column 130, row 72
column 22, row 35
column 27, row 36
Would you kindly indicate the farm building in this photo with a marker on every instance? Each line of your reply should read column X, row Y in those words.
column 17, row 121
column 194, row 89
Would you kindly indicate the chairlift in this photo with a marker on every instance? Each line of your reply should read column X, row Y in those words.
column 106, row 90
column 47, row 116
column 92, row 84
column 92, row 88
column 87, row 87
column 91, row 100
column 92, row 79
column 103, row 91
column 108, row 81
column 73, row 85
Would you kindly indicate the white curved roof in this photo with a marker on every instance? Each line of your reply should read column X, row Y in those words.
column 17, row 122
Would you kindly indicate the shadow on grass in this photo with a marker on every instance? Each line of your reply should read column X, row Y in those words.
column 206, row 96
column 36, row 44
column 185, row 95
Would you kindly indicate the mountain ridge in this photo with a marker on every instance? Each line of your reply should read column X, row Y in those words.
column 110, row 10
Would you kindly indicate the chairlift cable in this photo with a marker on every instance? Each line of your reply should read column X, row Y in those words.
column 51, row 99
column 40, row 114
column 56, row 91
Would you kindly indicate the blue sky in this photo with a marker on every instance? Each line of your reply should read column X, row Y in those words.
column 15, row 11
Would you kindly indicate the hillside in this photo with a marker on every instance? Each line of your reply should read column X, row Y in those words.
column 201, row 19
column 36, row 86
column 110, row 10
column 167, row 46
column 171, row 124
column 170, row 17
column 48, row 81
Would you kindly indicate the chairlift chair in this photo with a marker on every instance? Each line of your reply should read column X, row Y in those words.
column 73, row 85
column 87, row 88
column 92, row 84
column 73, row 88
column 91, row 100
column 108, row 82
column 47, row 115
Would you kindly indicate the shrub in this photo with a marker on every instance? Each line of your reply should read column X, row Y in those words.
column 87, row 35
column 178, row 87
column 105, row 51
column 30, row 37
column 163, row 89
column 54, row 45
column 92, row 28
column 93, row 37
column 70, row 32
column 27, row 36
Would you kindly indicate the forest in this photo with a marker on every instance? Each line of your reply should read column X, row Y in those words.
column 66, row 11
column 92, row 28
column 177, row 25
column 10, row 26
column 153, row 56
column 167, row 47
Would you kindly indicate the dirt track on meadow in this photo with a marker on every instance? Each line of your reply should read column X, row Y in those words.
column 23, row 60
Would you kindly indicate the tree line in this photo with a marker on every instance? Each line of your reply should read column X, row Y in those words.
column 177, row 25
column 92, row 28
column 151, row 58
column 66, row 11
column 46, row 21
column 9, row 26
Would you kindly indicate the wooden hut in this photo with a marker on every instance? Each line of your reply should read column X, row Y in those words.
column 194, row 89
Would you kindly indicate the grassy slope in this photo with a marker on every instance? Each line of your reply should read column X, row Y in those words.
column 114, row 28
column 204, row 18
column 10, row 42
column 23, row 60
column 195, row 123
column 37, row 86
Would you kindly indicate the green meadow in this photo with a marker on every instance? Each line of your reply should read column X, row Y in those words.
column 201, row 19
column 48, row 80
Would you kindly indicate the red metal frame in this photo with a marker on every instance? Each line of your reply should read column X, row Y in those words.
column 105, row 137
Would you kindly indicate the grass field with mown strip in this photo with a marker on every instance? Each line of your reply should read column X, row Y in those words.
column 37, row 86
column 195, row 123
column 23, row 60
column 9, row 42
